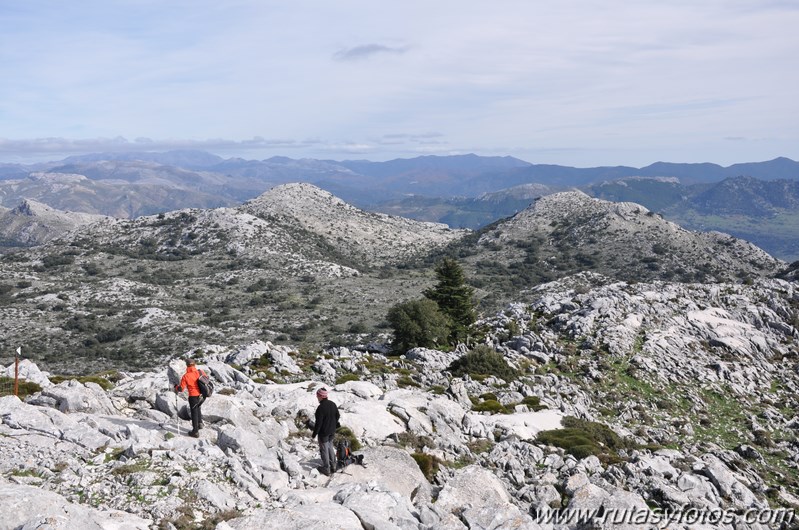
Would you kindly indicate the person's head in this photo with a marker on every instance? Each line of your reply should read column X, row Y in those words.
column 321, row 394
column 190, row 362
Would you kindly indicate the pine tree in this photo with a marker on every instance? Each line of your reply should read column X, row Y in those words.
column 454, row 298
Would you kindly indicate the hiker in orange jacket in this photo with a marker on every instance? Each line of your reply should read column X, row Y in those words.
column 189, row 381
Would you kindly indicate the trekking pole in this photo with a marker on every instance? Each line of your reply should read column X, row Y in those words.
column 177, row 414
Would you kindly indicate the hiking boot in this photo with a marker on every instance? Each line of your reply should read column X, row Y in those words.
column 194, row 434
column 323, row 471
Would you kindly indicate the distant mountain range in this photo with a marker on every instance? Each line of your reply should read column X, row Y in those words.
column 433, row 176
column 754, row 201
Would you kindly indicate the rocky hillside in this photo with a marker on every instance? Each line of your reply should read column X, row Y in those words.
column 299, row 265
column 123, row 194
column 367, row 239
column 33, row 223
column 568, row 232
column 303, row 267
column 633, row 405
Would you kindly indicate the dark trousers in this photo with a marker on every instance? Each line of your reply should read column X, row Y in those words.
column 196, row 414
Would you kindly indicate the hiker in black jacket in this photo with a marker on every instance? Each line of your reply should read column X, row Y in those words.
column 325, row 427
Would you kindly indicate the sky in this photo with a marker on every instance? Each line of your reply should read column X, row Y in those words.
column 574, row 82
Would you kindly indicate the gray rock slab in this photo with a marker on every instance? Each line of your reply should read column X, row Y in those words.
column 393, row 468
column 27, row 507
column 324, row 516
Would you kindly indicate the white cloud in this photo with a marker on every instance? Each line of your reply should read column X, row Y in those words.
column 623, row 82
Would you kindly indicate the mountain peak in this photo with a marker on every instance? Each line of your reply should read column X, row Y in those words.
column 364, row 237
column 572, row 231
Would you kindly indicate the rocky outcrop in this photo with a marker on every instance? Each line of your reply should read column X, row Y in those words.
column 363, row 237
column 571, row 231
column 34, row 223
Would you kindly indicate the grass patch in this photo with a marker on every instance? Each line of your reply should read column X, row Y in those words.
column 533, row 403
column 106, row 379
column 25, row 388
column 726, row 422
column 414, row 441
column 129, row 469
column 406, row 381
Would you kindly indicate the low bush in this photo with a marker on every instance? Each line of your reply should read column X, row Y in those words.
column 533, row 403
column 105, row 379
column 582, row 438
column 483, row 361
column 492, row 406
column 346, row 433
column 347, row 377
column 413, row 440
column 405, row 381
column 428, row 464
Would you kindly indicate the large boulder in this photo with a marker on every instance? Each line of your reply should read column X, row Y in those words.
column 478, row 497
column 249, row 353
column 370, row 419
column 522, row 425
column 378, row 508
column 257, row 453
column 73, row 396
column 393, row 468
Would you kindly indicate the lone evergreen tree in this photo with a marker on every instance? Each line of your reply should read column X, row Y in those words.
column 454, row 298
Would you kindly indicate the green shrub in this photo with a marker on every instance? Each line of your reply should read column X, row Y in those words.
column 414, row 441
column 491, row 405
column 582, row 438
column 57, row 260
column 346, row 433
column 406, row 381
column 347, row 377
column 428, row 464
column 104, row 379
column 418, row 323
column 483, row 361
column 533, row 403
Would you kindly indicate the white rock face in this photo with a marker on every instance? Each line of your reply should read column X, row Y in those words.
column 27, row 507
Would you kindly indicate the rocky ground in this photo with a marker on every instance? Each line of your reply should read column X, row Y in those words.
column 683, row 397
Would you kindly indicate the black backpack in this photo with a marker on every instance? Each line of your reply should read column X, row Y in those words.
column 343, row 451
column 205, row 384
column 344, row 456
